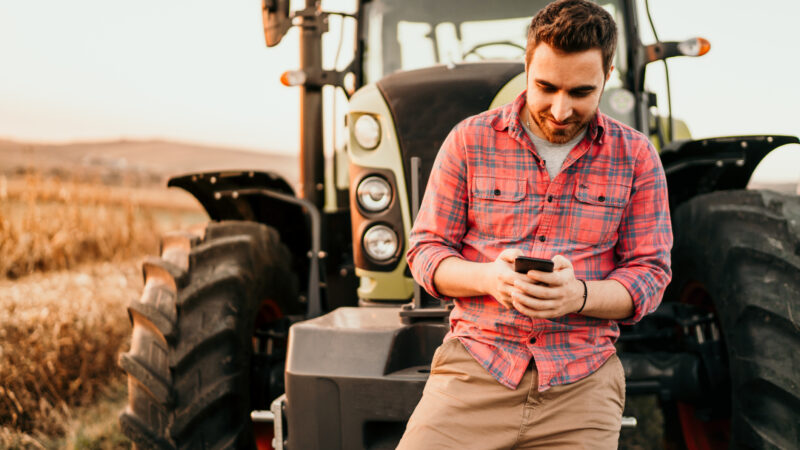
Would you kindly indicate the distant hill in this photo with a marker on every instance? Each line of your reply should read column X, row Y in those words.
column 152, row 162
column 148, row 162
column 783, row 188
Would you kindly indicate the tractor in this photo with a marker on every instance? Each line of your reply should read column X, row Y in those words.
column 291, row 321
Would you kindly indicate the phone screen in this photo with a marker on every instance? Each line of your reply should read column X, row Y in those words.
column 523, row 264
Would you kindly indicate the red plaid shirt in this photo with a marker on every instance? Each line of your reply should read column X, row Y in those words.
column 606, row 211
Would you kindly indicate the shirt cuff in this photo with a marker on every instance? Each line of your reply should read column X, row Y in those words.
column 430, row 262
column 641, row 288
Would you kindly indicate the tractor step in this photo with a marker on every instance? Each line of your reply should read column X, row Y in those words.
column 262, row 416
column 629, row 422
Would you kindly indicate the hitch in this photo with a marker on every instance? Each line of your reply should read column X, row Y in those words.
column 691, row 371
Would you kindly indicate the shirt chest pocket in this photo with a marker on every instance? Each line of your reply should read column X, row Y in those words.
column 498, row 206
column 595, row 215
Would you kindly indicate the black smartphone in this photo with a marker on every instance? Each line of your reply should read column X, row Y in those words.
column 524, row 263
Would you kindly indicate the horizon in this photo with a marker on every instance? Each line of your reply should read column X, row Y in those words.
column 143, row 140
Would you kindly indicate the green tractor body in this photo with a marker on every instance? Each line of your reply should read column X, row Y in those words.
column 324, row 339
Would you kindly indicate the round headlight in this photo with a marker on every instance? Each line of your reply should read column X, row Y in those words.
column 374, row 194
column 380, row 243
column 367, row 131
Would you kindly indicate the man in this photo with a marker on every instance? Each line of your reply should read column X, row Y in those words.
column 529, row 360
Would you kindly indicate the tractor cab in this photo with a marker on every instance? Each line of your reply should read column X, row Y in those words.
column 425, row 67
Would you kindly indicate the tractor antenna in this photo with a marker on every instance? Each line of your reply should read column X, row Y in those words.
column 670, row 135
column 335, row 67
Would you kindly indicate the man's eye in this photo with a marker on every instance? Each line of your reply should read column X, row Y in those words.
column 547, row 88
column 580, row 93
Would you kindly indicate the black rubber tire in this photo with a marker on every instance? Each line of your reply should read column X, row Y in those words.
column 744, row 247
column 189, row 363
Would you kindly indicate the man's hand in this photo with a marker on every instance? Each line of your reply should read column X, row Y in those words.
column 501, row 279
column 557, row 294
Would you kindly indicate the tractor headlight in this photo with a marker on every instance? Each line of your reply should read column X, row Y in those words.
column 367, row 131
column 380, row 243
column 374, row 194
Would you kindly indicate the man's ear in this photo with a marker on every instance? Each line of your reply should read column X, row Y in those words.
column 608, row 75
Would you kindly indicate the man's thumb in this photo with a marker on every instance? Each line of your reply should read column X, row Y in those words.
column 510, row 254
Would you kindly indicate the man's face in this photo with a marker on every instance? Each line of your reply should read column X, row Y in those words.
column 563, row 91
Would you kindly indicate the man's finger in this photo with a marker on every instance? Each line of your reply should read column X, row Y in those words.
column 547, row 278
column 524, row 309
column 508, row 294
column 534, row 303
column 519, row 306
column 536, row 290
column 560, row 263
column 503, row 299
column 510, row 278
column 505, row 303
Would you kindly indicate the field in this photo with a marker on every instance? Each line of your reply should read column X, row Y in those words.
column 69, row 267
column 73, row 231
column 60, row 336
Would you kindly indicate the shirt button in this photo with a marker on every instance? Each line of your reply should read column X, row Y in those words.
column 601, row 199
column 542, row 238
column 550, row 198
column 532, row 340
column 497, row 192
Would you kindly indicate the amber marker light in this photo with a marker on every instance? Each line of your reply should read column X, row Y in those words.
column 293, row 78
column 694, row 47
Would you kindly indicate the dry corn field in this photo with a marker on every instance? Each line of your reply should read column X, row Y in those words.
column 69, row 264
column 49, row 224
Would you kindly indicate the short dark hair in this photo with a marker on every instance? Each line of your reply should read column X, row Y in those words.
column 573, row 26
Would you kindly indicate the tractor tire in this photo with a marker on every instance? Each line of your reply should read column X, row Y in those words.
column 189, row 363
column 743, row 249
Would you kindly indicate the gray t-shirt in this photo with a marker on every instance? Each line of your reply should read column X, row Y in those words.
column 553, row 154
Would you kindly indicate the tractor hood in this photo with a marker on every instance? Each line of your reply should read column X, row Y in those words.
column 427, row 103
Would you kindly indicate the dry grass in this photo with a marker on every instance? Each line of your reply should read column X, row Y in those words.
column 60, row 334
column 50, row 224
column 94, row 427
column 69, row 265
column 97, row 427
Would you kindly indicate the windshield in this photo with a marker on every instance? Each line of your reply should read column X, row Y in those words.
column 412, row 34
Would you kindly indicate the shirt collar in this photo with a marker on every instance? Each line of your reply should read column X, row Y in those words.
column 509, row 118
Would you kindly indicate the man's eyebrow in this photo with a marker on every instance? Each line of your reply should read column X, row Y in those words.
column 583, row 87
column 545, row 83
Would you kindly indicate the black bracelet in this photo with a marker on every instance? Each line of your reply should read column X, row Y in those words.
column 585, row 294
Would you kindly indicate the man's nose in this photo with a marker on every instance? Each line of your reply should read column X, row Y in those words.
column 561, row 108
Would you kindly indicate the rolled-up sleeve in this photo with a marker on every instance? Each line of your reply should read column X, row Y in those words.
column 645, row 237
column 441, row 222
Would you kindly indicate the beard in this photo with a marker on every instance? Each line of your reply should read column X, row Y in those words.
column 574, row 125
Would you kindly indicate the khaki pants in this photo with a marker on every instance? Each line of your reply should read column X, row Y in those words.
column 463, row 407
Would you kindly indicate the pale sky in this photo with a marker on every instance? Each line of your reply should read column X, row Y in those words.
column 198, row 71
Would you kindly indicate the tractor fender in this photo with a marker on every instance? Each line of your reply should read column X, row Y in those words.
column 223, row 196
column 205, row 185
column 695, row 167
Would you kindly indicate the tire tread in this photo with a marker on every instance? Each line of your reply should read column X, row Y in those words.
column 199, row 301
column 742, row 246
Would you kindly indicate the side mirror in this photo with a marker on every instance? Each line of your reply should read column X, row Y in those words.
column 275, row 14
column 690, row 47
